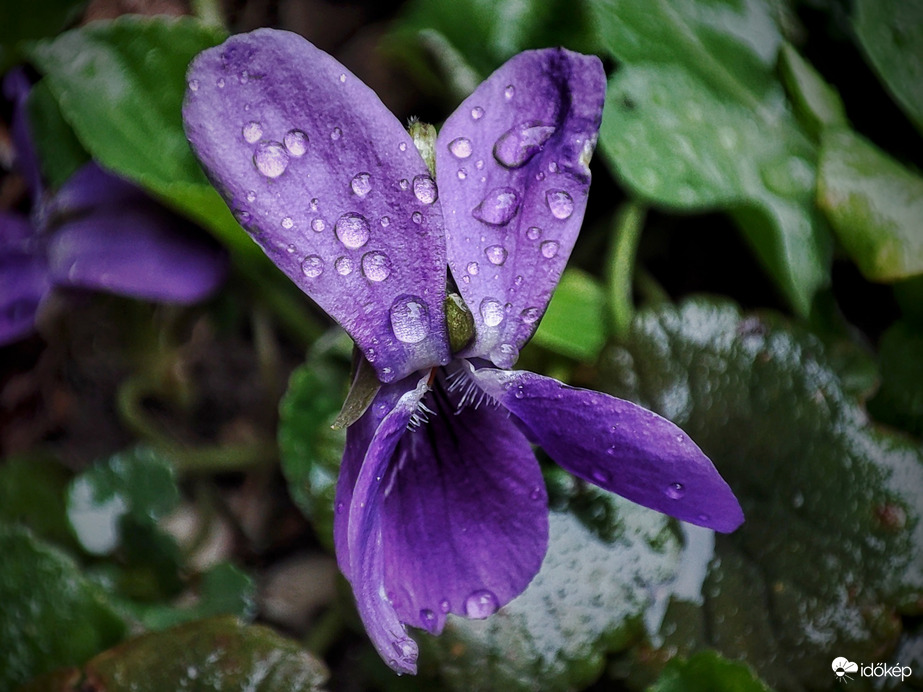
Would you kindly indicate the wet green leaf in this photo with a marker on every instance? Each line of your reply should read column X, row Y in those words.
column 900, row 399
column 32, row 493
column 819, row 486
column 817, row 104
column 874, row 204
column 214, row 654
column 696, row 119
column 57, row 147
column 50, row 615
column 574, row 324
column 707, row 671
column 891, row 34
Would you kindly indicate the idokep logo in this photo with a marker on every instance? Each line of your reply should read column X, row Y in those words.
column 842, row 667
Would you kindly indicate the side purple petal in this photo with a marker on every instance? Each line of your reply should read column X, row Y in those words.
column 138, row 250
column 23, row 278
column 92, row 186
column 465, row 514
column 618, row 446
column 512, row 168
column 329, row 183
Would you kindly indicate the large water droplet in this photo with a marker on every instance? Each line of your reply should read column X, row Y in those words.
column 352, row 230
column 675, row 491
column 460, row 147
column 361, row 184
column 519, row 144
column 534, row 233
column 252, row 132
column 498, row 207
column 376, row 266
column 287, row 223
column 344, row 266
column 496, row 254
column 549, row 248
column 530, row 315
column 477, row 113
column 312, row 266
column 270, row 159
column 481, row 604
column 409, row 319
column 491, row 312
column 424, row 189
column 560, row 203
column 296, row 142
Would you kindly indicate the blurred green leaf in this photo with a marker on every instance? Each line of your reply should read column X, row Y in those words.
column 215, row 654
column 708, row 671
column 874, row 204
column 23, row 21
column 32, row 494
column 817, row 104
column 50, row 615
column 900, row 399
column 891, row 34
column 58, row 149
column 819, row 486
column 574, row 324
column 696, row 119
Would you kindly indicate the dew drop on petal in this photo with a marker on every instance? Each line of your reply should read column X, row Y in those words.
column 496, row 254
column 479, row 164
column 318, row 225
column 504, row 356
column 534, row 233
column 296, row 142
column 498, row 207
column 243, row 217
column 336, row 133
column 560, row 203
column 270, row 159
column 481, row 604
column 352, row 230
column 462, row 174
column 675, row 491
column 252, row 132
column 344, row 266
column 287, row 222
column 251, row 196
column 416, row 217
column 491, row 312
column 477, row 113
column 402, row 146
column 220, row 83
column 428, row 618
column 424, row 189
column 509, row 92
column 376, row 266
column 517, row 146
column 536, row 493
column 530, row 315
column 193, row 84
column 342, row 79
column 444, row 605
column 385, row 221
column 472, row 268
column 361, row 184
column 312, row 266
column 290, row 249
column 409, row 319
column 549, row 248
column 404, row 183
column 314, row 203
column 460, row 147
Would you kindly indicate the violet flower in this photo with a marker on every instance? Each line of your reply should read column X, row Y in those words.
column 441, row 507
column 96, row 232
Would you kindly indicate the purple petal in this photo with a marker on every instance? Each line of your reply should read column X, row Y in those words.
column 16, row 88
column 138, row 250
column 90, row 187
column 23, row 278
column 618, row 446
column 324, row 178
column 465, row 515
column 512, row 167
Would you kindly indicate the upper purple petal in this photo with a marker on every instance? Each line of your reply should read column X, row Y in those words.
column 512, row 168
column 92, row 186
column 330, row 185
column 16, row 88
column 23, row 278
column 618, row 446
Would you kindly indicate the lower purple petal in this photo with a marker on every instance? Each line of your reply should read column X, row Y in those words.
column 23, row 278
column 618, row 446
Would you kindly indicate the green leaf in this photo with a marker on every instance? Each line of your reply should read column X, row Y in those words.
column 120, row 85
column 23, row 21
column 32, row 494
column 708, row 671
column 817, row 104
column 58, row 149
column 215, row 654
column 51, row 615
column 900, row 399
column 830, row 553
column 874, row 204
column 574, row 324
column 891, row 34
column 606, row 559
column 695, row 120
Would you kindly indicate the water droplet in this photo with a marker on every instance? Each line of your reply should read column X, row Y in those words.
column 424, row 189
column 220, row 82
column 244, row 77
column 462, row 174
column 549, row 248
column 491, row 312
column 444, row 605
column 409, row 319
column 509, row 92
column 251, row 196
column 193, row 84
column 536, row 493
column 552, row 167
column 477, row 113
column 534, row 233
column 479, row 164
column 342, row 79
column 403, row 183
column 290, row 249
column 428, row 618
column 517, row 282
column 402, row 146
column 314, row 203
column 675, row 491
column 296, row 142
column 519, row 144
column 498, row 207
column 385, row 221
column 336, row 133
column 287, row 222
column 460, row 147
column 472, row 268
column 504, row 356
column 252, row 132
column 416, row 217
column 243, row 217
column 318, row 225
column 496, row 254
column 344, row 266
column 312, row 266
column 530, row 315
column 481, row 604
column 560, row 203
column 270, row 159
column 352, row 230
column 361, row 184
column 376, row 266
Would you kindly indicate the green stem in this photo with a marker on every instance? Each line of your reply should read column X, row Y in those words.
column 629, row 222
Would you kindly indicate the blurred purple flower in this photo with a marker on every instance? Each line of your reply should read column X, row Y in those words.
column 97, row 232
column 441, row 507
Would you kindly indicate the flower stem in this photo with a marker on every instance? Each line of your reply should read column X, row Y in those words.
column 629, row 221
